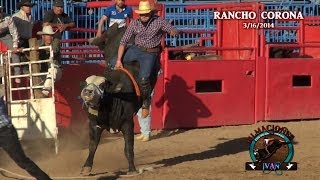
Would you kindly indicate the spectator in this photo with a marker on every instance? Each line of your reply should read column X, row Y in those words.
column 9, row 36
column 56, row 18
column 47, row 34
column 23, row 21
column 117, row 13
column 145, row 126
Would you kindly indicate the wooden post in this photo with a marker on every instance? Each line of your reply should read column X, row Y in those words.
column 35, row 68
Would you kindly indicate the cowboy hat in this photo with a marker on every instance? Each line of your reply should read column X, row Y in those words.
column 58, row 3
column 46, row 30
column 24, row 3
column 144, row 8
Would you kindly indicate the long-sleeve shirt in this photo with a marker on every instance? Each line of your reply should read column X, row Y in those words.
column 8, row 24
column 23, row 23
column 147, row 36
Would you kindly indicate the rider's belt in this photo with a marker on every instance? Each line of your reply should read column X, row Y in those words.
column 151, row 50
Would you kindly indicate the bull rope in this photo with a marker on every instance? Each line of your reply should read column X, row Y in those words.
column 135, row 84
column 141, row 170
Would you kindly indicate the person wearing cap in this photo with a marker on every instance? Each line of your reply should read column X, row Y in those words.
column 23, row 22
column 47, row 34
column 148, row 30
column 10, row 143
column 58, row 20
column 117, row 13
column 9, row 36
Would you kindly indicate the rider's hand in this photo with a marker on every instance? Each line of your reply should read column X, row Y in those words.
column 174, row 33
column 118, row 64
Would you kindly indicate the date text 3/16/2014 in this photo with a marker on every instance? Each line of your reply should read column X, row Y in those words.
column 251, row 25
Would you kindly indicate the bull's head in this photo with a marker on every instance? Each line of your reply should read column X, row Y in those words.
column 92, row 91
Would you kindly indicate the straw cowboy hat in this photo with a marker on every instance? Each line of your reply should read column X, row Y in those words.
column 46, row 30
column 144, row 8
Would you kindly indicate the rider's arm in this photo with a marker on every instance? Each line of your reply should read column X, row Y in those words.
column 125, row 39
column 120, row 52
column 167, row 27
column 100, row 25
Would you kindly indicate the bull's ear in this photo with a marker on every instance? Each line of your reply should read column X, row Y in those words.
column 83, row 84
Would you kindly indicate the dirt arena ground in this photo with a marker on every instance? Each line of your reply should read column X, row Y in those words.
column 208, row 153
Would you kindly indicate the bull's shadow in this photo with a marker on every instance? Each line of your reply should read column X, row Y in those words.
column 230, row 147
column 185, row 110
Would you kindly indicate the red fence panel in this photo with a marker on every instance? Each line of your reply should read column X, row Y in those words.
column 3, row 47
column 293, row 88
column 202, row 93
column 68, row 105
column 69, row 110
column 231, row 33
column 310, row 28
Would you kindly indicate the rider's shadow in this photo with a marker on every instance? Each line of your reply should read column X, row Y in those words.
column 227, row 147
column 184, row 109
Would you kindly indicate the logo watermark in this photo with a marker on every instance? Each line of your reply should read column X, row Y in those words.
column 258, row 20
column 271, row 149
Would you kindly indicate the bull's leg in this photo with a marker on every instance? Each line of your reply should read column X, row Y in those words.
column 128, row 134
column 94, row 135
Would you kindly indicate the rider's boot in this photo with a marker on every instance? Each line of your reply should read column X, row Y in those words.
column 145, row 88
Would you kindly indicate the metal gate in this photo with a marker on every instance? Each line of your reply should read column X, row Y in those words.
column 292, row 86
column 33, row 117
column 210, row 92
column 203, row 93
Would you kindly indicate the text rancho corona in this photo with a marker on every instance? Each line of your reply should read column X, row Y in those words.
column 253, row 15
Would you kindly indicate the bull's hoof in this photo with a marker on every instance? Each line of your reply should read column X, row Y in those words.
column 86, row 171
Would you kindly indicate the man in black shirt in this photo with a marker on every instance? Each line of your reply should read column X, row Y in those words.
column 60, row 21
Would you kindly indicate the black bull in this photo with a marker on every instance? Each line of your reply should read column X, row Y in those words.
column 116, row 109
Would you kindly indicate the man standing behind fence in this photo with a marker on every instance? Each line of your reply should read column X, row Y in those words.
column 54, row 72
column 117, row 13
column 10, row 143
column 22, row 19
column 56, row 18
column 9, row 36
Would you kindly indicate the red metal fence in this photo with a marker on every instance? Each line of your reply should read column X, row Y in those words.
column 203, row 93
column 245, row 87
